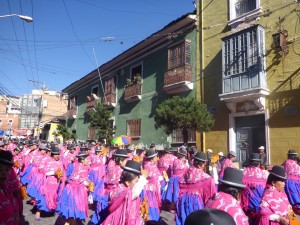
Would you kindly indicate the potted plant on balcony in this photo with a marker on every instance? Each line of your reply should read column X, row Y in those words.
column 128, row 82
column 137, row 78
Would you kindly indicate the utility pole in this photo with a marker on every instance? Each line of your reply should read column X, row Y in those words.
column 40, row 115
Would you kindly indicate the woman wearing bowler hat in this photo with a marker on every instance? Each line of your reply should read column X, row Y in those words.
column 275, row 206
column 73, row 204
column 292, row 185
column 125, row 206
column 9, row 206
column 228, row 197
column 114, row 171
column 196, row 187
column 152, row 190
column 180, row 166
column 227, row 162
column 255, row 180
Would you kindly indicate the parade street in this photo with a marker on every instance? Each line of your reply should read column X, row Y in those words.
column 46, row 218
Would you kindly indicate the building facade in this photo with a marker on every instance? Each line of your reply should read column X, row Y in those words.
column 248, row 59
column 9, row 116
column 136, row 81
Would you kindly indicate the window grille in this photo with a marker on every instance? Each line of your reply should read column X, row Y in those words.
column 134, row 127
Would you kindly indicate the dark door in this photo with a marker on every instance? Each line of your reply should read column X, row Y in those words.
column 243, row 143
column 250, row 134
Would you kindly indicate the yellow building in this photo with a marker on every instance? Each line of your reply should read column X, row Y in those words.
column 249, row 54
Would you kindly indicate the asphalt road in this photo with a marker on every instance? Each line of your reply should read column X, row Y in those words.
column 46, row 218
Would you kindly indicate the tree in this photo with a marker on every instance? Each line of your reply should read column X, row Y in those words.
column 184, row 114
column 62, row 130
column 100, row 118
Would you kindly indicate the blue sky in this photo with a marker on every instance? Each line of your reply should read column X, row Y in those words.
column 58, row 47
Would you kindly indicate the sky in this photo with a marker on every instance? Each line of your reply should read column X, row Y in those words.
column 69, row 38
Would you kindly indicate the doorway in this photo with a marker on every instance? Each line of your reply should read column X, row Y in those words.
column 250, row 134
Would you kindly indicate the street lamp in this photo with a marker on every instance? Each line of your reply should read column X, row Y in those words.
column 28, row 19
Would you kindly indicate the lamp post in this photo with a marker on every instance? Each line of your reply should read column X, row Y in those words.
column 28, row 19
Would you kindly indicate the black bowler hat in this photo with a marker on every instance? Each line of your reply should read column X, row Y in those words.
column 132, row 166
column 201, row 156
column 150, row 154
column 17, row 149
column 278, row 171
column 233, row 177
column 292, row 152
column 6, row 158
column 121, row 153
column 209, row 217
column 255, row 157
column 167, row 150
column 98, row 149
column 173, row 149
column 182, row 152
column 55, row 151
column 82, row 154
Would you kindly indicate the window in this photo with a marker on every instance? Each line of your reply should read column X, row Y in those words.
column 242, row 8
column 134, row 128
column 136, row 71
column 110, row 86
column 243, row 59
column 177, row 136
column 179, row 55
column 73, row 102
column 10, row 122
column 95, row 91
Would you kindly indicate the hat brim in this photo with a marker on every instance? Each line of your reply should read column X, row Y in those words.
column 293, row 153
column 276, row 175
column 151, row 156
column 232, row 183
column 85, row 155
column 179, row 153
column 7, row 162
column 202, row 160
column 131, row 170
column 120, row 155
column 255, row 160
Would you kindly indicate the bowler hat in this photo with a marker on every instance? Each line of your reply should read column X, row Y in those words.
column 182, row 152
column 17, row 149
column 292, row 152
column 262, row 148
column 232, row 153
column 233, row 177
column 209, row 216
column 201, row 156
column 43, row 147
column 121, row 153
column 82, row 154
column 173, row 149
column 98, row 149
column 55, row 151
column 167, row 150
column 150, row 154
column 278, row 171
column 6, row 157
column 132, row 166
column 255, row 157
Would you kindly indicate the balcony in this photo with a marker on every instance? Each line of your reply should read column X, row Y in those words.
column 133, row 92
column 90, row 104
column 72, row 113
column 110, row 100
column 178, row 80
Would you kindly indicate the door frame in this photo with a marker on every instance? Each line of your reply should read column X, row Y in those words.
column 232, row 133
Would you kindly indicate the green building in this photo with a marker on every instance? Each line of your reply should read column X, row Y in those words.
column 133, row 83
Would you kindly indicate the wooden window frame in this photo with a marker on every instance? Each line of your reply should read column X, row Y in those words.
column 133, row 128
column 178, row 54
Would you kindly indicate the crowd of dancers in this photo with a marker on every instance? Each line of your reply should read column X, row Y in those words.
column 129, row 185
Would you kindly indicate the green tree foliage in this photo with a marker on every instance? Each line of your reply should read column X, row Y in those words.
column 100, row 118
column 185, row 114
column 62, row 130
